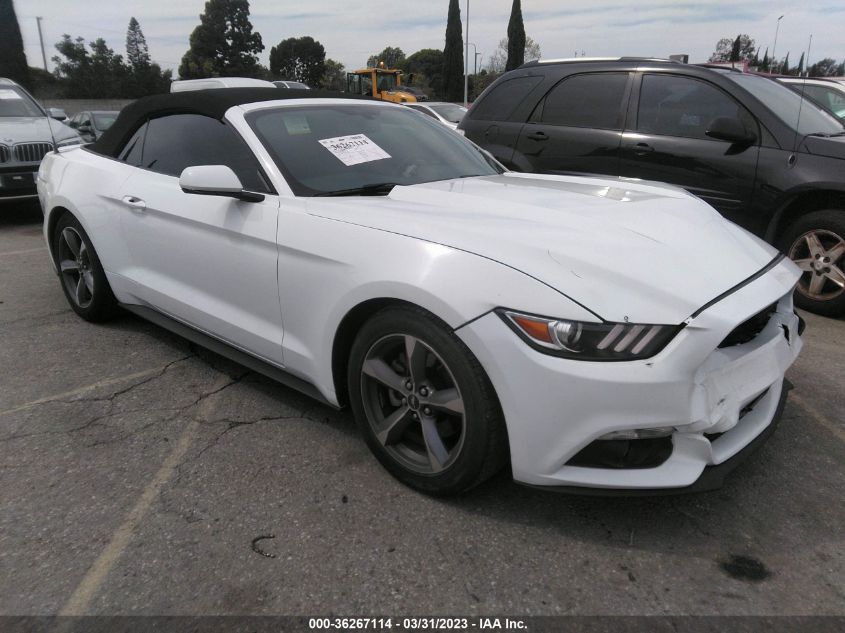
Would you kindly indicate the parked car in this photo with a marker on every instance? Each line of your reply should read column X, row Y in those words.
column 91, row 124
column 591, row 332
column 416, row 91
column 183, row 85
column 291, row 85
column 449, row 114
column 827, row 93
column 741, row 142
column 27, row 133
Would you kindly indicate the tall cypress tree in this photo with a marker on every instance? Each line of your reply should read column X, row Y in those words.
column 453, row 55
column 516, row 38
column 137, row 51
column 12, row 57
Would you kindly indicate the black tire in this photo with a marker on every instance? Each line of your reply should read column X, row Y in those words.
column 829, row 227
column 98, row 302
column 479, row 452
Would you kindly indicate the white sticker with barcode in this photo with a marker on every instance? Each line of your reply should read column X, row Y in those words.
column 9, row 94
column 354, row 149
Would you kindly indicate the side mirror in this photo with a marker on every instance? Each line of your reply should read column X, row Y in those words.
column 730, row 130
column 84, row 129
column 57, row 113
column 215, row 180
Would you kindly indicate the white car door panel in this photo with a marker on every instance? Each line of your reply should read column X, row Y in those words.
column 209, row 261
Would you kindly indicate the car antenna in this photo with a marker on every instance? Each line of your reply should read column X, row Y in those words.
column 50, row 127
column 803, row 91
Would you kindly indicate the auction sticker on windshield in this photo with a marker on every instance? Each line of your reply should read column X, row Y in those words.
column 354, row 149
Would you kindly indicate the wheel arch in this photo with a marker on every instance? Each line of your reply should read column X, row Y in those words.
column 800, row 202
column 52, row 218
column 348, row 329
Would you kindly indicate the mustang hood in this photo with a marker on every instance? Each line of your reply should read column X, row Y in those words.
column 625, row 250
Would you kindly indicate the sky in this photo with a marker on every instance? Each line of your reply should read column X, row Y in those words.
column 351, row 31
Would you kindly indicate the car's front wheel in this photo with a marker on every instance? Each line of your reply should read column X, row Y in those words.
column 82, row 276
column 424, row 404
column 816, row 242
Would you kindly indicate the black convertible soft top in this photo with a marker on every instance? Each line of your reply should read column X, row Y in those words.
column 212, row 103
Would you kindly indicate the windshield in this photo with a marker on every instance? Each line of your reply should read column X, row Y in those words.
column 449, row 111
column 104, row 120
column 328, row 148
column 15, row 102
column 386, row 81
column 799, row 114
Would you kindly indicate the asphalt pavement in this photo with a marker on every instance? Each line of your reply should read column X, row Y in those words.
column 143, row 475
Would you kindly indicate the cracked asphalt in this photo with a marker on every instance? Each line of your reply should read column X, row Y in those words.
column 143, row 475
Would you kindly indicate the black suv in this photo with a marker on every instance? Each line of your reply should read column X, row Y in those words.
column 763, row 157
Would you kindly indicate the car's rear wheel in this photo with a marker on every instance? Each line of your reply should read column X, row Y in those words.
column 423, row 403
column 83, row 279
column 816, row 242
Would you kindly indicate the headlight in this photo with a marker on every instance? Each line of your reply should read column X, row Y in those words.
column 589, row 341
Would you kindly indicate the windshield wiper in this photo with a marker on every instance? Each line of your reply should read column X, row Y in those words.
column 375, row 189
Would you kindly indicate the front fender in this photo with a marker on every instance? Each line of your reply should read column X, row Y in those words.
column 332, row 272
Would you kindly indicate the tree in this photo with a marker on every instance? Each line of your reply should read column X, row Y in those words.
column 137, row 52
column 516, row 37
column 334, row 77
column 800, row 69
column 144, row 77
column 299, row 58
column 766, row 63
column 425, row 69
column 12, row 57
column 735, row 49
column 392, row 58
column 224, row 44
column 498, row 60
column 738, row 49
column 100, row 74
column 453, row 55
column 824, row 68
column 784, row 67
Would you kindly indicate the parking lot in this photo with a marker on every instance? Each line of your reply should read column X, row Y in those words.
column 143, row 475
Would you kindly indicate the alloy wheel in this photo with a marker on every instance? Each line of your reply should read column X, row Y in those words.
column 821, row 255
column 75, row 267
column 413, row 403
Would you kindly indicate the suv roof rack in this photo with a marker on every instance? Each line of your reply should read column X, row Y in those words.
column 566, row 60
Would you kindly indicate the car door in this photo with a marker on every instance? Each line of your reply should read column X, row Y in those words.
column 577, row 126
column 208, row 261
column 666, row 140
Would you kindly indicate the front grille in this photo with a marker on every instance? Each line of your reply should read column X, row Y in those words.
column 5, row 154
column 747, row 330
column 31, row 152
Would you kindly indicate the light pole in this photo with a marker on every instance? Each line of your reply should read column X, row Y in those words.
column 775, row 47
column 475, row 50
column 466, row 61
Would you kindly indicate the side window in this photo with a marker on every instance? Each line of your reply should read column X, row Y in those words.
column 184, row 140
column 594, row 100
column 681, row 106
column 502, row 100
column 131, row 153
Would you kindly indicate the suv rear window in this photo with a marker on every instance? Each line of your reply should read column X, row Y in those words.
column 593, row 100
column 503, row 99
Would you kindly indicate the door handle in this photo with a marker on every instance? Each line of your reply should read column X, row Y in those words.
column 537, row 136
column 641, row 149
column 134, row 203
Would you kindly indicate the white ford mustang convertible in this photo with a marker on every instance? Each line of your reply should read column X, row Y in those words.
column 592, row 334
